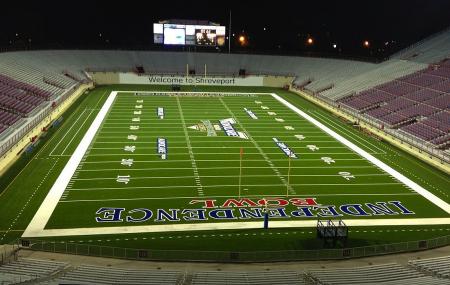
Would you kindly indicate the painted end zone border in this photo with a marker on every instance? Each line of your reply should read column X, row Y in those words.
column 36, row 228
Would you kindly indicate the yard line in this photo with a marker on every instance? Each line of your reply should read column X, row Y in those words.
column 213, row 160
column 191, row 154
column 68, row 131
column 236, row 185
column 246, row 196
column 221, row 176
column 272, row 166
column 227, row 167
column 221, row 147
column 209, row 153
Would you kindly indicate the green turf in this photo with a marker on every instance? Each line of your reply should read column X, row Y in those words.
column 217, row 161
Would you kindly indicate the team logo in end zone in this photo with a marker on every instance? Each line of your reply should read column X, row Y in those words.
column 161, row 145
column 160, row 112
column 248, row 209
column 251, row 114
column 285, row 148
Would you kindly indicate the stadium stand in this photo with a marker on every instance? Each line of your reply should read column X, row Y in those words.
column 374, row 274
column 31, row 79
column 412, row 104
column 26, row 270
column 247, row 278
column 439, row 266
column 434, row 271
column 103, row 275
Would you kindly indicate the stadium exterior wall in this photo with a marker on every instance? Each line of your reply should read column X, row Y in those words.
column 13, row 153
column 403, row 145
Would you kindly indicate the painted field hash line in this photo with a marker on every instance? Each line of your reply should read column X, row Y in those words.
column 191, row 154
column 400, row 177
column 68, row 131
column 47, row 207
column 264, row 155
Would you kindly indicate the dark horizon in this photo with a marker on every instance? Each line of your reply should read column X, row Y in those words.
column 281, row 27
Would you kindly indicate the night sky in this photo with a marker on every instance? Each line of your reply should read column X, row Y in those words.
column 387, row 25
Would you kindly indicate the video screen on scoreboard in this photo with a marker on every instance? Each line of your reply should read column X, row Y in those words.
column 177, row 34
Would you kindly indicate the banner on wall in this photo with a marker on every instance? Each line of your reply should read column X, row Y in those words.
column 131, row 78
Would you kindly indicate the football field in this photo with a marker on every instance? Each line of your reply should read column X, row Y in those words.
column 161, row 162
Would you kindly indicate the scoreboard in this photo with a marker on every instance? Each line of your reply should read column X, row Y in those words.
column 179, row 34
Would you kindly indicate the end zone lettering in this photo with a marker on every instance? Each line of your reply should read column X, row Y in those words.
column 245, row 209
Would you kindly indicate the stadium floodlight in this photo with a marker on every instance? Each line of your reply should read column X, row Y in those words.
column 334, row 45
column 242, row 39
column 366, row 43
column 310, row 41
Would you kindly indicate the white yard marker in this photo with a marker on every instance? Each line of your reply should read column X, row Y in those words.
column 346, row 175
column 138, row 119
column 300, row 137
column 123, row 179
column 138, row 106
column 289, row 128
column 327, row 160
column 279, row 120
column 127, row 162
column 265, row 108
column 271, row 113
column 312, row 147
column 134, row 128
column 137, row 112
column 132, row 137
column 129, row 148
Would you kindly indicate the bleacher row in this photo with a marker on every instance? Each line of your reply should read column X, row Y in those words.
column 417, row 104
column 19, row 98
column 431, row 271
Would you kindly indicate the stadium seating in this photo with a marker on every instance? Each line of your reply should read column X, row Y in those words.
column 103, row 275
column 29, row 269
column 439, row 266
column 374, row 274
column 411, row 104
column 247, row 278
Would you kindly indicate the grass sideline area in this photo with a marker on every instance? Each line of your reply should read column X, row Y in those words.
column 23, row 196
